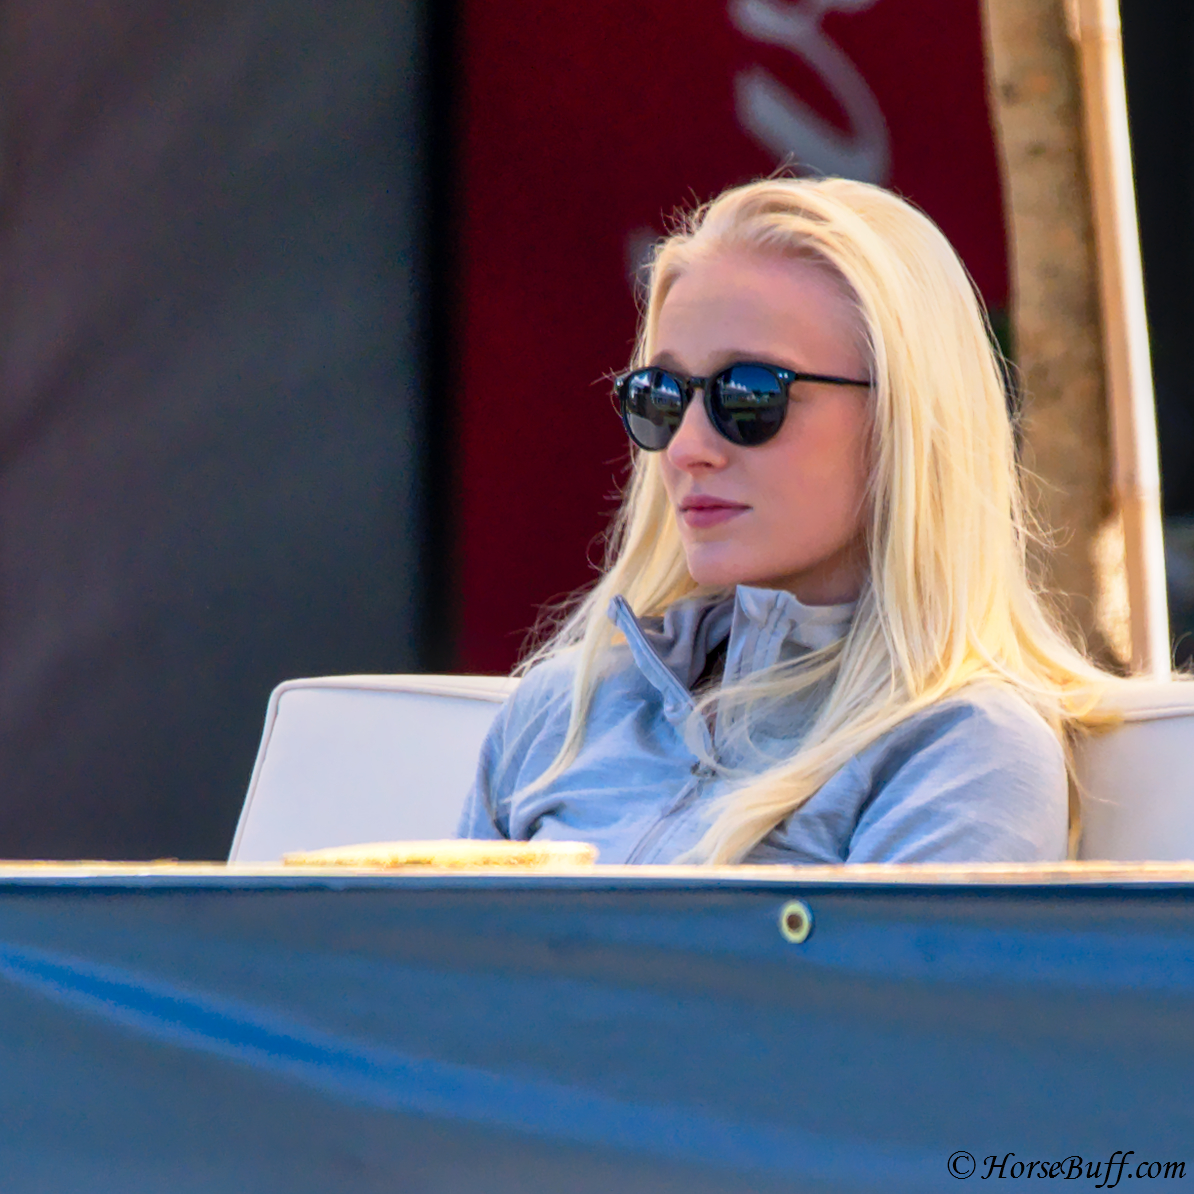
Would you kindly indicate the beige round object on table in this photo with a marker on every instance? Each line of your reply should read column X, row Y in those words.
column 463, row 853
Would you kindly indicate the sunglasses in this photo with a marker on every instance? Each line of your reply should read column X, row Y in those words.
column 746, row 403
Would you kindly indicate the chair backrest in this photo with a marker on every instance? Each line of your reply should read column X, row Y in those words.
column 347, row 759
column 1137, row 780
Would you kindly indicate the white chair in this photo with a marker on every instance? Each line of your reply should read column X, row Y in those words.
column 1137, row 780
column 347, row 759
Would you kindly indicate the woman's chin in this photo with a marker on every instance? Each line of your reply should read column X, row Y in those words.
column 713, row 573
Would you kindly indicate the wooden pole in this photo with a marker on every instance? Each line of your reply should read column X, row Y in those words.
column 1094, row 26
column 1078, row 326
column 1036, row 111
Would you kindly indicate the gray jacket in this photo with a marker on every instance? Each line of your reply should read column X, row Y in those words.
column 977, row 777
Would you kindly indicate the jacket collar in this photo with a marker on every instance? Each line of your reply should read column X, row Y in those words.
column 764, row 627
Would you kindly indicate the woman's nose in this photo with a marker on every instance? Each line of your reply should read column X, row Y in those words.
column 696, row 445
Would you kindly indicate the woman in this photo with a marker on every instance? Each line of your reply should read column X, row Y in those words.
column 816, row 639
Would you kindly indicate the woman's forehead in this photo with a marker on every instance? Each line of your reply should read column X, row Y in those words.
column 779, row 308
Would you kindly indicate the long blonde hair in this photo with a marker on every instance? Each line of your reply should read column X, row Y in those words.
column 949, row 599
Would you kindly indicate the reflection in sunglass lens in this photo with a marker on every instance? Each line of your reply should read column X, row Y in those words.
column 654, row 406
column 748, row 404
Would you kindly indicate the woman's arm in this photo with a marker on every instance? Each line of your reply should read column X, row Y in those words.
column 479, row 818
column 522, row 742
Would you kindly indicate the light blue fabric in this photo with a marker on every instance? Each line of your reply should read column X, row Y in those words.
column 977, row 777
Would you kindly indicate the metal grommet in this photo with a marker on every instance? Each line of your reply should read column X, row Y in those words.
column 795, row 921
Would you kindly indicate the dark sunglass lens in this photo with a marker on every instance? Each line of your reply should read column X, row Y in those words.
column 748, row 404
column 653, row 404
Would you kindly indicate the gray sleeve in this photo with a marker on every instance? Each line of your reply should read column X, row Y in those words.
column 976, row 780
column 521, row 743
column 479, row 818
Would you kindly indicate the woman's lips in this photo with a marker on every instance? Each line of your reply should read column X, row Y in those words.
column 707, row 512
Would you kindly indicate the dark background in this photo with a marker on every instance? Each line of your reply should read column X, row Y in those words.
column 212, row 272
column 1159, row 64
column 283, row 290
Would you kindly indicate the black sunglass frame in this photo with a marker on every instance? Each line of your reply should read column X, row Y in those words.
column 785, row 379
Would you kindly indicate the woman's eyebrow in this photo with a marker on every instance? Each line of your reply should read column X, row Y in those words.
column 665, row 360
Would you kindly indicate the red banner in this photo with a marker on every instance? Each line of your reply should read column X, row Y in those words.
column 584, row 126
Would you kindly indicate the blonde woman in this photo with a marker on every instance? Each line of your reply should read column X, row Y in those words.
column 815, row 639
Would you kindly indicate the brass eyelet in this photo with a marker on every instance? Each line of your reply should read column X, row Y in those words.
column 795, row 921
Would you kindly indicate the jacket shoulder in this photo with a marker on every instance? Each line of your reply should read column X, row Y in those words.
column 985, row 718
column 979, row 776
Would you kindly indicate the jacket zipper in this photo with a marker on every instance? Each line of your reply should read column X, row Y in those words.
column 655, row 831
column 700, row 771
